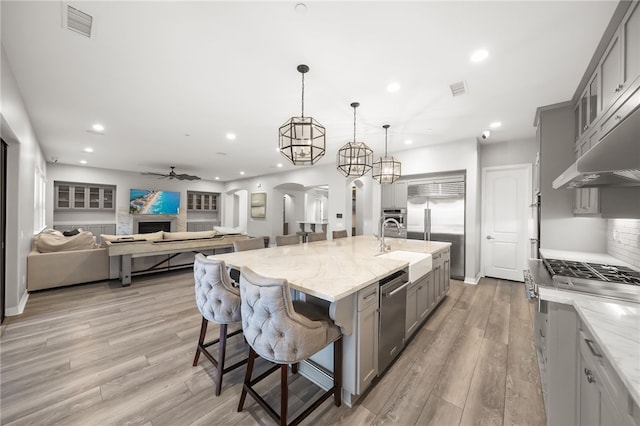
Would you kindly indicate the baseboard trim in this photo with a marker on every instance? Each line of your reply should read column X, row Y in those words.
column 17, row 310
column 472, row 280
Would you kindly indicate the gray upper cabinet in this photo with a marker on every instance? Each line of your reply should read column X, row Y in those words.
column 395, row 196
column 83, row 196
column 202, row 201
column 611, row 73
column 630, row 32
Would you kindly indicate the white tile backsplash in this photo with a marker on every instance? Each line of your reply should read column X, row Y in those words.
column 623, row 240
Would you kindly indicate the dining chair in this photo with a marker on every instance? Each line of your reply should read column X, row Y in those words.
column 218, row 302
column 340, row 234
column 245, row 245
column 316, row 236
column 286, row 240
column 284, row 332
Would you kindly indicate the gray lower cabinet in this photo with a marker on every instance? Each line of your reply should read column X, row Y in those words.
column 603, row 398
column 562, row 357
column 579, row 384
column 367, row 332
column 424, row 294
column 418, row 303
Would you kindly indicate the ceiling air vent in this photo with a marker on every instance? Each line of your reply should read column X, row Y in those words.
column 79, row 21
column 458, row 89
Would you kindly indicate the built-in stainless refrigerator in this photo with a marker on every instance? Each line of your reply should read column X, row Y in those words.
column 435, row 212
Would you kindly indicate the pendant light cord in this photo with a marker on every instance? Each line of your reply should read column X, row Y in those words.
column 386, row 130
column 302, row 95
column 354, row 124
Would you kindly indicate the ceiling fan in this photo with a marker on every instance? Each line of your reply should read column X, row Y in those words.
column 173, row 175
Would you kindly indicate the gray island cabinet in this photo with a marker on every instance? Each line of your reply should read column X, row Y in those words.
column 588, row 368
column 343, row 277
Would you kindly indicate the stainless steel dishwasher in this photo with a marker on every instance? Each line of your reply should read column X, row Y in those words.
column 393, row 307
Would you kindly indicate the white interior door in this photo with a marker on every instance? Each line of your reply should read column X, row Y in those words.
column 506, row 195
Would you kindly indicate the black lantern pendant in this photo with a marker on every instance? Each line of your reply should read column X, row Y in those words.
column 386, row 169
column 302, row 139
column 354, row 158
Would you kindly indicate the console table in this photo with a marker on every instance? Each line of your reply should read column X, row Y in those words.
column 130, row 249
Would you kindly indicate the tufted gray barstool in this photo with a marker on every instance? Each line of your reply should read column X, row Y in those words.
column 286, row 240
column 340, row 234
column 219, row 302
column 316, row 236
column 284, row 332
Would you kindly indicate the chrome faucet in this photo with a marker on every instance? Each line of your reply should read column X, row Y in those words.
column 383, row 222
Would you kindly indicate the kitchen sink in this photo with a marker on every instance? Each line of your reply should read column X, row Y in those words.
column 419, row 263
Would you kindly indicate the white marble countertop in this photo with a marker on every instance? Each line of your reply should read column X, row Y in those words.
column 616, row 327
column 332, row 269
column 584, row 256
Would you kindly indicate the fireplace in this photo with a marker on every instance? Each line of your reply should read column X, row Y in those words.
column 154, row 226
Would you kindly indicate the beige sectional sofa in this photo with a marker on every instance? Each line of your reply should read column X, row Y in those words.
column 58, row 261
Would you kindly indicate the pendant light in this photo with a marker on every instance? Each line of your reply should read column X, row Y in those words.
column 354, row 158
column 302, row 139
column 386, row 169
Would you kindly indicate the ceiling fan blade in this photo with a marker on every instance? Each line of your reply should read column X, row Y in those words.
column 185, row 176
column 153, row 174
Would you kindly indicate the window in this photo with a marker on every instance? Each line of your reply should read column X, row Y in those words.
column 39, row 185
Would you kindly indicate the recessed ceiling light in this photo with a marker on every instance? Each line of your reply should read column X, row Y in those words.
column 495, row 124
column 479, row 55
column 408, row 142
column 98, row 127
column 279, row 164
column 231, row 136
column 83, row 161
column 88, row 149
column 241, row 173
column 393, row 87
column 217, row 177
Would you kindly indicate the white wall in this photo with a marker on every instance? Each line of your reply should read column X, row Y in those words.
column 24, row 156
column 123, row 182
column 508, row 153
column 339, row 199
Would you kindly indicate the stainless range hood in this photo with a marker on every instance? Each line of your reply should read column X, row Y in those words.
column 615, row 161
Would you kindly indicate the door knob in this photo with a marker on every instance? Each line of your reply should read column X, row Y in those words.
column 489, row 237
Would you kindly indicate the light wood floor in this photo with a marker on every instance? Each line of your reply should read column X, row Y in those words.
column 102, row 354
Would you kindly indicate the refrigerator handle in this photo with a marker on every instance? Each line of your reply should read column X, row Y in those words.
column 427, row 224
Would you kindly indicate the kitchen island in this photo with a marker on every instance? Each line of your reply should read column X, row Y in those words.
column 343, row 276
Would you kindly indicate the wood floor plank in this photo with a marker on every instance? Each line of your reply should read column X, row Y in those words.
column 523, row 403
column 454, row 381
column 439, row 412
column 497, row 328
column 105, row 354
column 485, row 402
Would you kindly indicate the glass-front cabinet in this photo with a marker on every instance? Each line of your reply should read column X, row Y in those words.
column 83, row 196
column 202, row 201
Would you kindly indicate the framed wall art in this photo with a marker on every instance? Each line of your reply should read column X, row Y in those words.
column 258, row 205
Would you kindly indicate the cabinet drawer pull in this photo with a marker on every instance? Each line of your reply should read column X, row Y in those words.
column 618, row 88
column 369, row 296
column 617, row 117
column 589, row 375
column 592, row 345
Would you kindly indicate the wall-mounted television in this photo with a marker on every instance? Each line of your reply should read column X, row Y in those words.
column 146, row 201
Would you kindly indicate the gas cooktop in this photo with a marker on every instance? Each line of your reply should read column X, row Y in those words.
column 593, row 271
column 608, row 280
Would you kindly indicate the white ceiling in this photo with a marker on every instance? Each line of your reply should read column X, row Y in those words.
column 154, row 72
